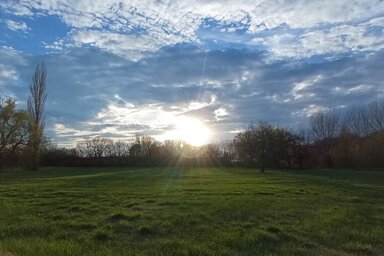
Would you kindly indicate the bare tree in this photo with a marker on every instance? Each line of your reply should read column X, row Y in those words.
column 325, row 127
column 227, row 152
column 356, row 120
column 376, row 116
column 36, row 106
column 81, row 149
column 120, row 149
column 97, row 147
column 145, row 143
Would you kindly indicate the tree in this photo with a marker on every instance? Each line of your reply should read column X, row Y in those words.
column 255, row 144
column 145, row 150
column 287, row 148
column 135, row 151
column 142, row 146
column 97, row 147
column 36, row 106
column 14, row 133
column 269, row 146
column 356, row 120
column 209, row 155
column 227, row 152
column 325, row 127
column 146, row 142
column 120, row 149
column 376, row 116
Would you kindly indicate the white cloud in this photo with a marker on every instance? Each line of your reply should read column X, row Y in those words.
column 10, row 60
column 342, row 38
column 300, row 89
column 132, row 46
column 220, row 114
column 179, row 81
column 68, row 136
column 17, row 8
column 56, row 45
column 124, row 119
column 362, row 88
column 337, row 39
column 152, row 115
column 17, row 25
column 309, row 110
column 110, row 25
column 7, row 73
column 62, row 130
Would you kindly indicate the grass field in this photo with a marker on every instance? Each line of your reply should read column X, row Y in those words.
column 115, row 211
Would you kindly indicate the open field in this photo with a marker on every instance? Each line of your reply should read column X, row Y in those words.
column 116, row 211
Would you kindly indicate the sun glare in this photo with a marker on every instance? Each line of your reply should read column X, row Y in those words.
column 192, row 131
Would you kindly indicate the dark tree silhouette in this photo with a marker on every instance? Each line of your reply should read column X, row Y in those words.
column 97, row 147
column 255, row 144
column 325, row 126
column 120, row 149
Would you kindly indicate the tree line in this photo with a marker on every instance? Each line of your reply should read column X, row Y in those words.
column 353, row 138
column 144, row 150
column 334, row 139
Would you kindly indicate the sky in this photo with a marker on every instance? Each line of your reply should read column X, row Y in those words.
column 117, row 68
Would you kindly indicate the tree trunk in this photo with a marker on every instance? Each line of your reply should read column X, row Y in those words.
column 262, row 167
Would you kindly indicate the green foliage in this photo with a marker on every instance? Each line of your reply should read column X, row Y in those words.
column 14, row 131
column 264, row 145
column 199, row 211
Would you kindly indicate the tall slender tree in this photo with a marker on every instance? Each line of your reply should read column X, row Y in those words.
column 36, row 106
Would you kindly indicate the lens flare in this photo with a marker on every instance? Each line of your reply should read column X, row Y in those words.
column 190, row 130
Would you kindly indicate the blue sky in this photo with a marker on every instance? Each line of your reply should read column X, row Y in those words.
column 116, row 68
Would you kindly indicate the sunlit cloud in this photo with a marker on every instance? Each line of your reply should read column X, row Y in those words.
column 310, row 110
column 116, row 68
column 221, row 114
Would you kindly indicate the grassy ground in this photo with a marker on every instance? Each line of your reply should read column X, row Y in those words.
column 99, row 211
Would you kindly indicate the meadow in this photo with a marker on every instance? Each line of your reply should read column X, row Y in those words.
column 191, row 211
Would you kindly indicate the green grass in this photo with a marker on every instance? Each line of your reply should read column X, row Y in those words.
column 160, row 211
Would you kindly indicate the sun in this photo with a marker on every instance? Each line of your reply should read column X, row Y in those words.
column 192, row 131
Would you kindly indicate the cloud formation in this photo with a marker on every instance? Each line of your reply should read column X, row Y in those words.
column 286, row 28
column 119, row 98
column 116, row 68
